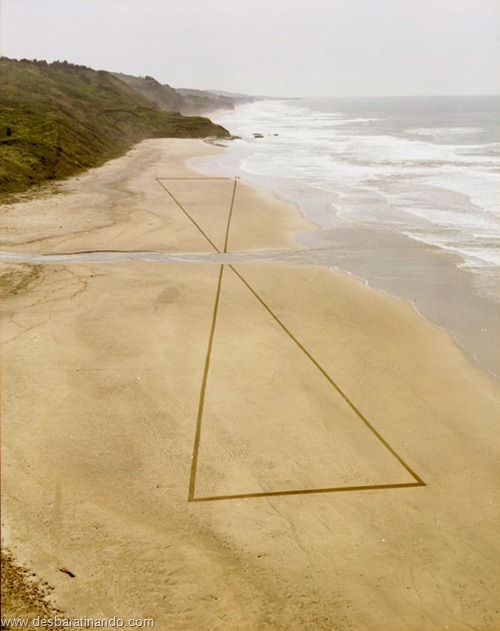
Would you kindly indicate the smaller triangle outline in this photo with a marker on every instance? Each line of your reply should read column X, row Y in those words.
column 217, row 237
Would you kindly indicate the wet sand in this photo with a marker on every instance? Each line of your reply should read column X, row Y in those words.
column 432, row 280
column 259, row 445
column 429, row 279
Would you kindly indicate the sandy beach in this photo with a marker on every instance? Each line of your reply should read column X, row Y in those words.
column 233, row 444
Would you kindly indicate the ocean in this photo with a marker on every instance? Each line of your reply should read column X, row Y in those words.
column 405, row 193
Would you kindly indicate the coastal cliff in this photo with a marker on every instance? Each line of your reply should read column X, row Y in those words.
column 184, row 100
column 60, row 118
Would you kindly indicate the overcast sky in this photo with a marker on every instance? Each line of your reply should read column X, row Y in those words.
column 271, row 47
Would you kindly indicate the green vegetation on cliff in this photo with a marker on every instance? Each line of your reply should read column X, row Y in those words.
column 58, row 119
column 185, row 101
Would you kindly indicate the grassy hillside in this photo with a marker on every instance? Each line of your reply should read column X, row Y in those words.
column 58, row 119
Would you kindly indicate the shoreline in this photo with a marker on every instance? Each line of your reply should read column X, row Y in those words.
column 343, row 247
column 332, row 439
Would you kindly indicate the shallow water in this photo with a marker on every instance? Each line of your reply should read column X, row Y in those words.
column 405, row 192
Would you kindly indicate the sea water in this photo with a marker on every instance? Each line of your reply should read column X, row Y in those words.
column 389, row 181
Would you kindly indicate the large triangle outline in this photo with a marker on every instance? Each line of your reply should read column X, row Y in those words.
column 415, row 480
column 239, row 453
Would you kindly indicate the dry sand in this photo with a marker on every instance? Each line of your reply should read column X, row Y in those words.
column 340, row 454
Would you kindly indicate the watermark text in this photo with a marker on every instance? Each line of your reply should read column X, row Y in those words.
column 83, row 622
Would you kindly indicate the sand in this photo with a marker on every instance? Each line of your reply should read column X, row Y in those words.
column 250, row 446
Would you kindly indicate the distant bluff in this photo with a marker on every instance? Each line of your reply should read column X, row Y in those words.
column 185, row 101
column 61, row 118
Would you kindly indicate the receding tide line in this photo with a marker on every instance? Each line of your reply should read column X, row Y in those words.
column 199, row 421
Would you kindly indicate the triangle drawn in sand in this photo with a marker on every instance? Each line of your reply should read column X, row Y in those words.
column 209, row 209
column 271, row 423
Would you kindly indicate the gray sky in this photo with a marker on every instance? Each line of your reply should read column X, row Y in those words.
column 272, row 47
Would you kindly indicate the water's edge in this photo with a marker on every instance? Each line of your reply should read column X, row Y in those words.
column 427, row 278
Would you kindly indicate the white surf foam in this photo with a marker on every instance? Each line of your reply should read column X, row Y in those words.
column 437, row 184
